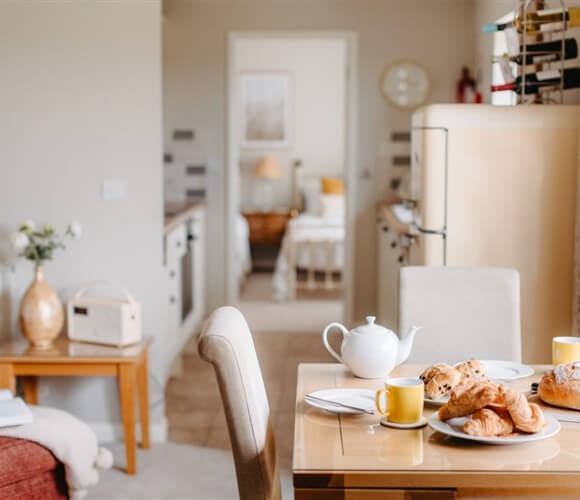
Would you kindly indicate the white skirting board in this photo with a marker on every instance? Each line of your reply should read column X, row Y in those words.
column 110, row 432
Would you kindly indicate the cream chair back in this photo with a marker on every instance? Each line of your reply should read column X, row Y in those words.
column 226, row 342
column 464, row 313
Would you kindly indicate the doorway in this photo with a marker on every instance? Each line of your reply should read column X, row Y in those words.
column 290, row 165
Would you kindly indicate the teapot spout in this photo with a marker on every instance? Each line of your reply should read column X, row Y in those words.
column 405, row 344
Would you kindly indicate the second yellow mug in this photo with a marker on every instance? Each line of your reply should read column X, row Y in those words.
column 404, row 400
column 565, row 350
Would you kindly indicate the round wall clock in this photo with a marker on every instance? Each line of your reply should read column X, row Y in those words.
column 405, row 84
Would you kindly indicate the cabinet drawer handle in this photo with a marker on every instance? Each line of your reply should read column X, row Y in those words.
column 400, row 259
column 393, row 244
column 172, row 274
column 178, row 244
column 385, row 229
column 172, row 299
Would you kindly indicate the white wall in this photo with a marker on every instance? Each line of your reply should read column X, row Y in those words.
column 317, row 72
column 437, row 33
column 80, row 95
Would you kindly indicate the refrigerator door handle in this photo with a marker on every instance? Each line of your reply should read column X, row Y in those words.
column 436, row 232
column 440, row 232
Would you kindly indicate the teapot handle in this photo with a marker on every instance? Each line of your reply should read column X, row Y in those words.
column 325, row 339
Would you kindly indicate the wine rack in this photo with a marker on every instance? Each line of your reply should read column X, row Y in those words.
column 546, row 95
column 537, row 38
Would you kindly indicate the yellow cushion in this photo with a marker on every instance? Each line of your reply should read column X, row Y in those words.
column 331, row 185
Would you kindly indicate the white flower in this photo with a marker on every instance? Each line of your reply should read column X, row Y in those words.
column 27, row 226
column 49, row 229
column 19, row 241
column 75, row 229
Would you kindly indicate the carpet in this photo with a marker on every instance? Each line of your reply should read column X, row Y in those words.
column 174, row 471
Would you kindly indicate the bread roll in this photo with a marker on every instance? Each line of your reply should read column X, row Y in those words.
column 433, row 370
column 442, row 383
column 561, row 386
column 439, row 379
column 471, row 370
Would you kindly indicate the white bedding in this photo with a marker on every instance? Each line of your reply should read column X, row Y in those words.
column 312, row 243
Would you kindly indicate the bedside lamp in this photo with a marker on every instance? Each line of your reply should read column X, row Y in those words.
column 267, row 170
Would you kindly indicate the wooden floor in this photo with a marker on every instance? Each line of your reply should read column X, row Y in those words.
column 194, row 408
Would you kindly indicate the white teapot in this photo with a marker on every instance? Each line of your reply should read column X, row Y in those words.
column 371, row 351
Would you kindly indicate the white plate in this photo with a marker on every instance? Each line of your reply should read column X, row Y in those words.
column 453, row 428
column 437, row 402
column 506, row 370
column 363, row 398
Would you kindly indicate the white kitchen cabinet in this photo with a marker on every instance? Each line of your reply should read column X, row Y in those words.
column 391, row 258
column 196, row 256
column 173, row 298
column 185, row 282
column 176, row 243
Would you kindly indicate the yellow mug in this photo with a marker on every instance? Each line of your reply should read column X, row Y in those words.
column 565, row 350
column 404, row 400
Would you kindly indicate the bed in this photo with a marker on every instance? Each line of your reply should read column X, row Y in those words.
column 312, row 252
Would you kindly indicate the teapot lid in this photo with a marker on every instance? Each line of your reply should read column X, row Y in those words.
column 370, row 328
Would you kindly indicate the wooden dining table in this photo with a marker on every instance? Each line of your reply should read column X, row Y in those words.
column 353, row 457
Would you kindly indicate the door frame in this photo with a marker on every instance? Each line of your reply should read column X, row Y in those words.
column 351, row 141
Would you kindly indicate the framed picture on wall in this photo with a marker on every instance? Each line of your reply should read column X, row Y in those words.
column 266, row 110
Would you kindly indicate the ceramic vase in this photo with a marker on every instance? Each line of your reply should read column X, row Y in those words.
column 41, row 313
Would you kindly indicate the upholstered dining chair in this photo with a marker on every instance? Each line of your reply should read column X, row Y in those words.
column 464, row 313
column 226, row 342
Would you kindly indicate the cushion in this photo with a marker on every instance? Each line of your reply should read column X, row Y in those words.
column 332, row 185
column 312, row 191
column 332, row 205
column 28, row 470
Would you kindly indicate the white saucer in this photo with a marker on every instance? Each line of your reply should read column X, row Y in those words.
column 422, row 422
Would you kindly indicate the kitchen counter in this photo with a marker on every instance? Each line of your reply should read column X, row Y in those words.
column 385, row 214
column 177, row 212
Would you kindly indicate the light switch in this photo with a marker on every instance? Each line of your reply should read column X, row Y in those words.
column 113, row 189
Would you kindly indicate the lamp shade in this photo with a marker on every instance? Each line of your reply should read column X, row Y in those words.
column 268, row 167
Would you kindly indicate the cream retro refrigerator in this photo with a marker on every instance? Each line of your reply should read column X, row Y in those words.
column 496, row 186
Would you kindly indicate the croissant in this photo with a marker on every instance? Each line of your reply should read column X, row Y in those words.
column 468, row 398
column 527, row 417
column 488, row 422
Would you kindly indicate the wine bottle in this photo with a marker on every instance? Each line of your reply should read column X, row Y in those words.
column 542, row 79
column 540, row 21
column 538, row 53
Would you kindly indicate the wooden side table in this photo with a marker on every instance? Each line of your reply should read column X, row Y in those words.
column 76, row 359
column 267, row 228
column 266, row 232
